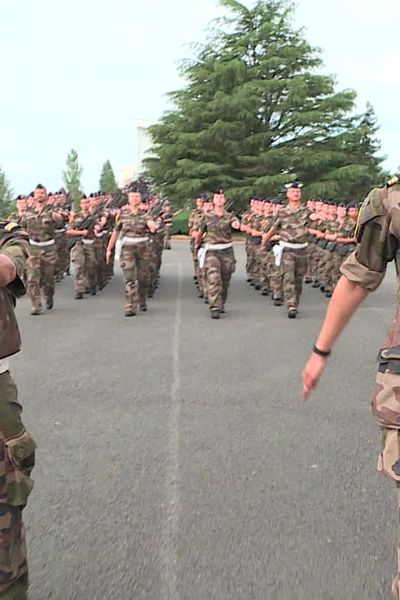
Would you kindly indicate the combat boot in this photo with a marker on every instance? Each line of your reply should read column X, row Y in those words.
column 143, row 307
column 278, row 302
column 130, row 312
column 215, row 313
column 36, row 311
column 292, row 313
column 78, row 295
column 49, row 303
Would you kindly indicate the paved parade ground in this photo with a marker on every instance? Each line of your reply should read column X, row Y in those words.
column 176, row 461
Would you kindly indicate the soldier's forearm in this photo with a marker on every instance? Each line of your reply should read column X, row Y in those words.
column 346, row 298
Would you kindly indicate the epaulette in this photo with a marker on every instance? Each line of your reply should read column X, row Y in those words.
column 393, row 181
column 371, row 207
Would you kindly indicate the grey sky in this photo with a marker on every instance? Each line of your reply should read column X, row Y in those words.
column 75, row 72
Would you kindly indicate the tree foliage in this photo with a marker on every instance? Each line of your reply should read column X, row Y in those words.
column 6, row 195
column 72, row 178
column 107, row 181
column 257, row 112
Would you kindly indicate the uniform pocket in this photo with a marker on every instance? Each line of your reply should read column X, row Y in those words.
column 389, row 459
column 20, row 459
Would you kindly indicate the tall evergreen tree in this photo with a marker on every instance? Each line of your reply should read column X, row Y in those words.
column 6, row 194
column 72, row 178
column 107, row 182
column 257, row 112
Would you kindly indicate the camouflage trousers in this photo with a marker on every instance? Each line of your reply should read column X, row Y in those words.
column 62, row 261
column 275, row 278
column 251, row 264
column 40, row 267
column 293, row 268
column 17, row 457
column 325, row 268
column 134, row 261
column 263, row 268
column 219, row 265
column 101, row 267
column 84, row 258
column 167, row 237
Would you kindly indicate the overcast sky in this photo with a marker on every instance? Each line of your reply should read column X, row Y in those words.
column 75, row 73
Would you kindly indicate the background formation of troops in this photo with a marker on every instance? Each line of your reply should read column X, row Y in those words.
column 328, row 230
column 59, row 235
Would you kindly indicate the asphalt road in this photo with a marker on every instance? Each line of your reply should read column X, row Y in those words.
column 176, row 462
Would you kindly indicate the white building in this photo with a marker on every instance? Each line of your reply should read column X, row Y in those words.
column 143, row 145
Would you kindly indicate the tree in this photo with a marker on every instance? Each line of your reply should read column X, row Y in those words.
column 257, row 113
column 72, row 178
column 107, row 182
column 6, row 194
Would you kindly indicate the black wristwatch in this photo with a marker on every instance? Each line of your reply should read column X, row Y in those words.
column 324, row 353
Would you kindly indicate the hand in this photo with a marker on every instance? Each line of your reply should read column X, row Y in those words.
column 312, row 373
column 236, row 225
column 84, row 233
column 108, row 255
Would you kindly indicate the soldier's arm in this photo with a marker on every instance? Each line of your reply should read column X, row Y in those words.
column 13, row 257
column 269, row 234
column 362, row 272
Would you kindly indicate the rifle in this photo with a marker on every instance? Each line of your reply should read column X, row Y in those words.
column 119, row 200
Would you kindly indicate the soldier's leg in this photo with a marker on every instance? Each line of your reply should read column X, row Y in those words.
column 301, row 263
column 17, row 455
column 78, row 257
column 143, row 274
column 90, row 268
column 228, row 264
column 214, row 281
column 58, row 268
column 129, row 271
column 33, row 279
column 289, row 279
column 48, row 263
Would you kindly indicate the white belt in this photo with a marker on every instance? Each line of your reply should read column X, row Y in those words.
column 279, row 248
column 134, row 240
column 88, row 242
column 218, row 246
column 41, row 244
column 4, row 365
column 60, row 230
column 203, row 251
column 100, row 235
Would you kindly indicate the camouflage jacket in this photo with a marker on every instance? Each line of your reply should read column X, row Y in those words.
column 218, row 230
column 77, row 221
column 378, row 234
column 14, row 243
column 40, row 225
column 195, row 219
column 131, row 224
column 292, row 225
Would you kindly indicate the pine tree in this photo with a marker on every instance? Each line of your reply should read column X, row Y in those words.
column 6, row 194
column 72, row 178
column 107, row 182
column 256, row 113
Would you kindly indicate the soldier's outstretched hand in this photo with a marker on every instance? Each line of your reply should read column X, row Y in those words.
column 312, row 373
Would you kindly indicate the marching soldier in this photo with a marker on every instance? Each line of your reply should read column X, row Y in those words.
column 133, row 228
column 291, row 254
column 41, row 221
column 218, row 253
column 17, row 447
column 362, row 272
column 195, row 219
column 83, row 252
column 166, row 216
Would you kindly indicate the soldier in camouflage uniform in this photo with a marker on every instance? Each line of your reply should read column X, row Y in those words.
column 218, row 255
column 379, row 243
column 291, row 253
column 83, row 253
column 166, row 216
column 21, row 206
column 195, row 219
column 17, row 447
column 40, row 222
column 133, row 228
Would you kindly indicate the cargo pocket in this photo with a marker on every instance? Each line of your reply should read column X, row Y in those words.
column 389, row 459
column 20, row 459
